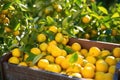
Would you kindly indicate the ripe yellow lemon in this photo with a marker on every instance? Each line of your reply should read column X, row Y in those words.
column 112, row 69
column 99, row 76
column 22, row 64
column 65, row 64
column 35, row 50
column 65, row 40
column 53, row 42
column 90, row 65
column 7, row 29
column 88, row 72
column 16, row 52
column 84, row 52
column 53, row 29
column 94, row 51
column 59, row 37
column 59, row 59
column 50, row 58
column 16, row 33
column 25, row 56
column 105, row 53
column 34, row 67
column 13, row 60
column 108, row 76
column 75, row 68
column 53, row 68
column 64, row 53
column 86, row 19
column 116, row 52
column 101, row 65
column 91, row 59
column 43, row 63
column 78, row 75
column 76, row 46
column 56, row 52
column 41, row 37
column 43, row 46
column 110, row 60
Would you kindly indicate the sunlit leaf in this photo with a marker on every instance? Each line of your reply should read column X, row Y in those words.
column 104, row 10
column 17, row 26
column 115, row 15
column 74, row 58
column 35, row 60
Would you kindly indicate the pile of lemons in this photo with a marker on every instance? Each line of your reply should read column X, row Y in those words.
column 94, row 64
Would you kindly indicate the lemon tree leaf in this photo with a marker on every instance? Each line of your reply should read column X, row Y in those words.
column 115, row 15
column 74, row 58
column 7, row 5
column 68, row 50
column 35, row 60
column 104, row 10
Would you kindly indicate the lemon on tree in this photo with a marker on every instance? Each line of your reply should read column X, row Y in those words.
column 86, row 19
column 53, row 29
column 41, row 37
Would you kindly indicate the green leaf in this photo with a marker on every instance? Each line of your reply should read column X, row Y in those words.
column 50, row 20
column 115, row 15
column 95, row 15
column 31, row 57
column 17, row 26
column 74, row 58
column 68, row 49
column 7, row 5
column 104, row 10
column 35, row 60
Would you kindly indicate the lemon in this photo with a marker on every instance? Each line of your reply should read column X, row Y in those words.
column 78, row 75
column 94, row 51
column 16, row 33
column 43, row 46
column 108, row 76
column 105, row 53
column 116, row 52
column 41, row 37
column 25, row 56
column 16, row 52
column 53, row 68
column 53, row 29
column 35, row 50
column 75, row 68
column 90, row 65
column 65, row 40
column 64, row 53
column 91, row 59
column 80, row 60
column 99, row 76
column 110, row 60
column 34, row 67
column 76, row 46
column 22, row 64
column 86, row 19
column 84, row 52
column 59, row 59
column 101, row 65
column 65, row 64
column 59, row 37
column 53, row 42
column 112, row 69
column 7, row 29
column 13, row 60
column 56, row 51
column 88, row 72
column 43, row 63
column 50, row 58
